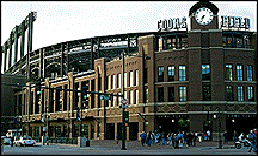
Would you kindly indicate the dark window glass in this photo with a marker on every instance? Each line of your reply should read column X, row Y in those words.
column 241, row 94
column 205, row 72
column 239, row 73
column 229, row 91
column 250, row 96
column 229, row 72
column 160, row 94
column 171, row 72
column 171, row 97
column 182, row 94
column 206, row 92
column 181, row 73
column 249, row 73
column 161, row 74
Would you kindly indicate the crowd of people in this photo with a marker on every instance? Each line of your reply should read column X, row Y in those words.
column 176, row 140
column 188, row 139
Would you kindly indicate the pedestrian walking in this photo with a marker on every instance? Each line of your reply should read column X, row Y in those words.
column 149, row 139
column 252, row 137
column 187, row 142
column 117, row 137
column 163, row 138
column 226, row 137
column 195, row 138
column 180, row 139
column 169, row 139
column 143, row 138
column 235, row 138
column 191, row 135
column 209, row 135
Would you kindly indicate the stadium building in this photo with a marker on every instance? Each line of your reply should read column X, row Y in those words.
column 195, row 76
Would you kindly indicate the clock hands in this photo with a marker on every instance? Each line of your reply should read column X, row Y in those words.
column 202, row 17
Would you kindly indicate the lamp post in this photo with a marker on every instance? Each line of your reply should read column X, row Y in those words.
column 123, row 109
column 144, row 121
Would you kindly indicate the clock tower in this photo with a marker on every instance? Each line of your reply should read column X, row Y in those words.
column 203, row 15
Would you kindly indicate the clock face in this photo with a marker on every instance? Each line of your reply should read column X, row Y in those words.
column 204, row 16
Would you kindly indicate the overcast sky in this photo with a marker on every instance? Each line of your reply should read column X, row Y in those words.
column 63, row 21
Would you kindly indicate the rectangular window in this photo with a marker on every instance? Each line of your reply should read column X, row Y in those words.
column 182, row 94
column 131, row 78
column 137, row 78
column 239, row 73
column 109, row 82
column 181, row 73
column 206, row 93
column 113, row 81
column 131, row 97
column 161, row 74
column 125, row 80
column 229, row 91
column 114, row 101
column 205, row 72
column 249, row 73
column 119, row 98
column 160, row 94
column 250, row 96
column 125, row 95
column 137, row 96
column 241, row 94
column 171, row 97
column 229, row 72
column 171, row 73
column 119, row 81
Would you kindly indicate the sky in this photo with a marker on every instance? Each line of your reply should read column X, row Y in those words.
column 59, row 21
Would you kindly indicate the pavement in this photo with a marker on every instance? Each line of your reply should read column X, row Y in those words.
column 111, row 144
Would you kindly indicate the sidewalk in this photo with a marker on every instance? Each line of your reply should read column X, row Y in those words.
column 111, row 144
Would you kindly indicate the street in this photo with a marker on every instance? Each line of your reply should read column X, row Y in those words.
column 53, row 150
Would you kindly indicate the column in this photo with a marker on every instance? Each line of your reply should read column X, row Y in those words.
column 10, row 50
column 16, row 37
column 22, row 40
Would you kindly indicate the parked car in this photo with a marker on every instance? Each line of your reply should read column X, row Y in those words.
column 25, row 141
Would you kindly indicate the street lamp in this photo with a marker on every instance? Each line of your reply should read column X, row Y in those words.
column 144, row 121
column 123, row 109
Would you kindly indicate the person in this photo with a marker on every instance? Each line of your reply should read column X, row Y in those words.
column 149, row 139
column 177, row 141
column 226, row 137
column 180, row 138
column 163, row 138
column 191, row 137
column 174, row 137
column 235, row 138
column 187, row 142
column 169, row 139
column 117, row 137
column 252, row 137
column 195, row 138
column 209, row 135
column 143, row 138
column 157, row 138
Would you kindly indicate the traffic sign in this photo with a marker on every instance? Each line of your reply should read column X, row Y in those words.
column 125, row 103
